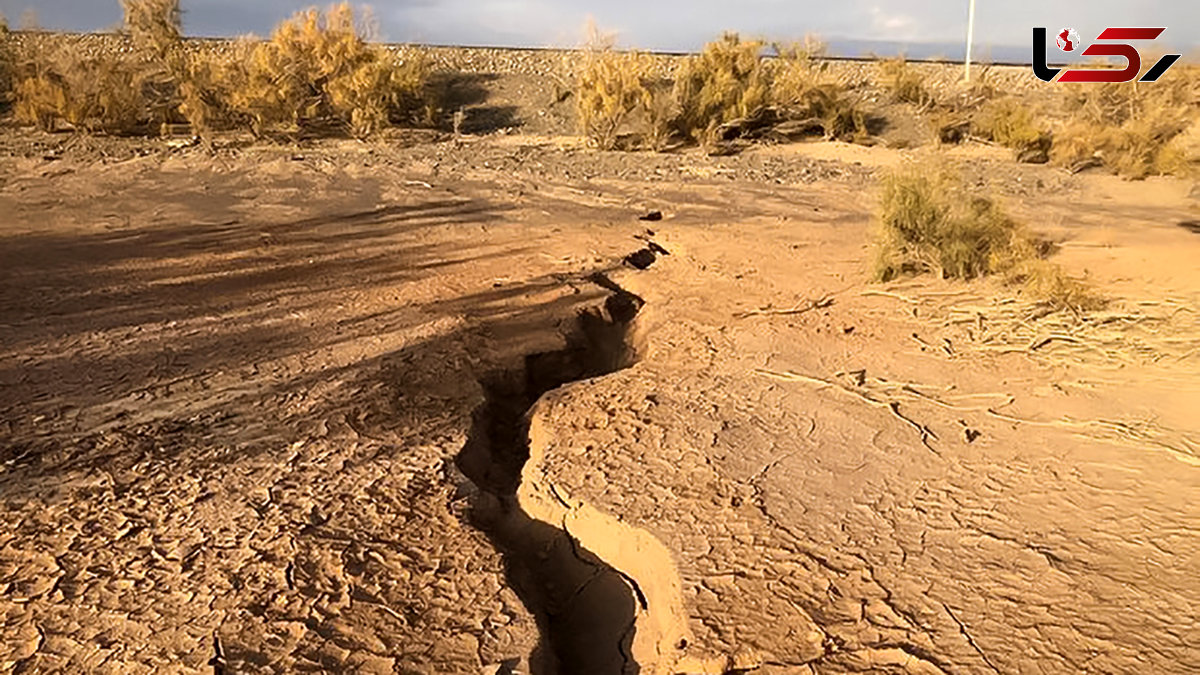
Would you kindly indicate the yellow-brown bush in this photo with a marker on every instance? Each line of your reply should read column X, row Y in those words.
column 903, row 82
column 611, row 88
column 1046, row 284
column 7, row 65
column 1132, row 128
column 930, row 222
column 63, row 83
column 726, row 81
column 155, row 26
column 60, row 82
column 619, row 95
column 927, row 223
column 317, row 70
column 798, row 70
column 1008, row 122
column 800, row 84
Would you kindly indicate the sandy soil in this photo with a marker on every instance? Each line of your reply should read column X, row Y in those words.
column 412, row 408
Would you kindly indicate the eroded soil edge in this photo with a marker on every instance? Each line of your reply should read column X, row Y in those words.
column 607, row 595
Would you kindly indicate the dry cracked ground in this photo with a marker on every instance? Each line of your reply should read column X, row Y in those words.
column 385, row 409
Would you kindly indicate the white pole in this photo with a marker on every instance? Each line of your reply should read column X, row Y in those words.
column 970, row 39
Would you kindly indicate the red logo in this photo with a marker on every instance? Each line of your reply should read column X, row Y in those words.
column 1068, row 41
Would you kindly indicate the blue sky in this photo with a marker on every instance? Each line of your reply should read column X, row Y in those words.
column 670, row 24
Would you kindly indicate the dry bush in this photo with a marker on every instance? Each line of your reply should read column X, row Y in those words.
column 800, row 84
column 950, row 125
column 798, row 70
column 726, row 81
column 726, row 93
column 316, row 70
column 7, row 65
column 1132, row 128
column 611, row 88
column 982, row 87
column 155, row 27
column 930, row 222
column 60, row 82
column 659, row 118
column 1009, row 122
column 904, row 83
column 927, row 223
column 64, row 83
column 1046, row 284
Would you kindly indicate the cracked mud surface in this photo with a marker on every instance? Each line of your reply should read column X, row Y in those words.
column 236, row 393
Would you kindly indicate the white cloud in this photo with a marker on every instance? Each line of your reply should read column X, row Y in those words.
column 891, row 26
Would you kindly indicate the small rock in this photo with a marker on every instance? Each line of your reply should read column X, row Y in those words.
column 745, row 660
column 1033, row 156
column 641, row 259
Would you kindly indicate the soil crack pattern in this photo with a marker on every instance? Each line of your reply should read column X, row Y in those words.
column 607, row 595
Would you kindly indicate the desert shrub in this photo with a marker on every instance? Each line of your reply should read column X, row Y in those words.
column 318, row 69
column 1008, row 122
column 726, row 92
column 800, row 84
column 798, row 70
column 1131, row 128
column 950, row 125
column 611, row 88
column 155, row 26
column 982, row 87
column 659, row 121
column 726, row 81
column 904, row 83
column 7, row 65
column 928, row 224
column 63, row 83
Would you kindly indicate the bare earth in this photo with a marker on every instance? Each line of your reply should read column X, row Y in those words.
column 387, row 409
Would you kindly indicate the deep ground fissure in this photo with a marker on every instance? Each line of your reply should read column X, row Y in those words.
column 585, row 607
